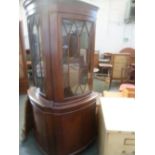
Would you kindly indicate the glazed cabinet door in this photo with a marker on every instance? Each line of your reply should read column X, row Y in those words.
column 77, row 53
column 35, row 38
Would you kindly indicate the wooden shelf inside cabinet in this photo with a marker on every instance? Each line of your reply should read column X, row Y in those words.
column 61, row 35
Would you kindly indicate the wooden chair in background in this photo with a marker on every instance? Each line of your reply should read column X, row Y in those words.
column 130, row 71
column 120, row 62
column 130, row 51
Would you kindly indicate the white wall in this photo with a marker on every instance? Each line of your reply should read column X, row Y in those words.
column 112, row 34
column 24, row 23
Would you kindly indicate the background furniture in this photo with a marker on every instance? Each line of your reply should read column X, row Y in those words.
column 127, row 89
column 130, row 71
column 23, row 79
column 126, row 85
column 106, row 72
column 96, row 59
column 120, row 63
column 130, row 51
column 105, row 58
column 107, row 67
column 116, row 126
column 62, row 36
column 127, row 92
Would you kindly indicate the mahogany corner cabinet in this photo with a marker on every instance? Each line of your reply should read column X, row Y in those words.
column 62, row 36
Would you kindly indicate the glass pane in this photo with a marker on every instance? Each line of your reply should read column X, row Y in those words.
column 74, row 29
column 37, row 52
column 67, row 25
column 75, row 57
column 65, row 44
column 79, row 25
column 73, row 44
column 84, row 38
column 89, row 25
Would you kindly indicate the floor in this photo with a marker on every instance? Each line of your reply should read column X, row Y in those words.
column 29, row 147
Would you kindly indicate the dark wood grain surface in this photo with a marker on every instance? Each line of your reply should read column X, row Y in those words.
column 62, row 125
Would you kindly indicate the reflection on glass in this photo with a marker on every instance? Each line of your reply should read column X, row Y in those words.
column 76, row 54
